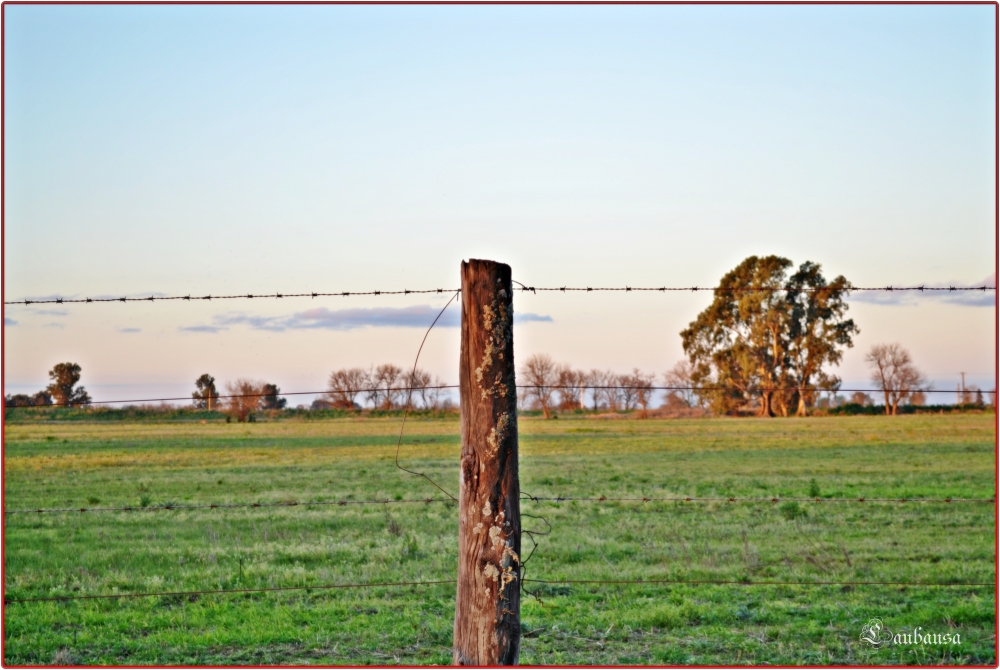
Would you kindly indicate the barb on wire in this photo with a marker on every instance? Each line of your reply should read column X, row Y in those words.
column 533, row 289
column 213, row 506
column 319, row 587
column 409, row 395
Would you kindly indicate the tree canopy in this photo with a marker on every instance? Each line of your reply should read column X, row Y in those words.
column 767, row 336
column 63, row 388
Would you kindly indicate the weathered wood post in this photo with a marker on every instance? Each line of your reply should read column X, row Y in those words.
column 488, row 608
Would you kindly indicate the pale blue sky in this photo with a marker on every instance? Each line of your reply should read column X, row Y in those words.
column 177, row 149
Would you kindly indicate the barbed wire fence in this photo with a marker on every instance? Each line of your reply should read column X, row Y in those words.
column 531, row 533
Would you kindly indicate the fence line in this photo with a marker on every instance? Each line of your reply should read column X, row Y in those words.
column 428, row 501
column 638, row 581
column 524, row 288
column 553, row 387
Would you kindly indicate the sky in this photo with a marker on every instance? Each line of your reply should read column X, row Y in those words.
column 164, row 150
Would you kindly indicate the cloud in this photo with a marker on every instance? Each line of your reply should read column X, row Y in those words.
column 51, row 312
column 528, row 316
column 129, row 330
column 201, row 329
column 55, row 324
column 7, row 321
column 986, row 298
column 418, row 316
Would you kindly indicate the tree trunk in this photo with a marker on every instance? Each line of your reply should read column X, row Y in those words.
column 801, row 411
column 488, row 606
column 888, row 404
column 765, row 403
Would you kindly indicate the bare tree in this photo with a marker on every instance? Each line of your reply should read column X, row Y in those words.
column 383, row 390
column 628, row 391
column 416, row 381
column 570, row 387
column 244, row 398
column 430, row 394
column 609, row 388
column 643, row 385
column 680, row 377
column 592, row 380
column 345, row 385
column 540, row 375
column 893, row 370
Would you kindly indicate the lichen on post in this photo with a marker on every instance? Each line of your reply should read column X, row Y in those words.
column 488, row 606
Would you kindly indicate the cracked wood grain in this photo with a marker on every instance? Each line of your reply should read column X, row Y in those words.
column 488, row 606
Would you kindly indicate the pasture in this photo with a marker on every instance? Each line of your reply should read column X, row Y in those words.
column 150, row 465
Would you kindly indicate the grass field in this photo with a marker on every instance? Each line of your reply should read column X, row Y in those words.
column 153, row 464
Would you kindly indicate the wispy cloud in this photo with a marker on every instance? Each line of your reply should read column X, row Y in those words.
column 418, row 316
column 55, row 324
column 51, row 312
column 129, row 330
column 201, row 329
column 986, row 298
column 7, row 321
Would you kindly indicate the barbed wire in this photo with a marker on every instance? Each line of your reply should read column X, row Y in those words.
column 636, row 581
column 740, row 289
column 523, row 288
column 525, row 496
column 240, row 296
column 553, row 387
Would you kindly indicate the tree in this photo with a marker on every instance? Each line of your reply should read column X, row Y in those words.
column 894, row 372
column 861, row 398
column 817, row 330
column 40, row 399
column 63, row 388
column 206, row 395
column 766, row 332
column 680, row 378
column 540, row 375
column 643, row 384
column 244, row 399
column 382, row 390
column 739, row 344
column 571, row 385
column 345, row 385
column 269, row 397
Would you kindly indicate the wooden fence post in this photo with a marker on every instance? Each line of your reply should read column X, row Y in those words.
column 488, row 606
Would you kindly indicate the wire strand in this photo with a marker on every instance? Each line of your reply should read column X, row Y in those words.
column 638, row 581
column 524, row 288
column 409, row 397
column 410, row 389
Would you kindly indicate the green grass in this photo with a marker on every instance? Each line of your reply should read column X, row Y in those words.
column 81, row 464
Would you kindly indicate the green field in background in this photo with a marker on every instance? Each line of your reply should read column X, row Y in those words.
column 155, row 464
